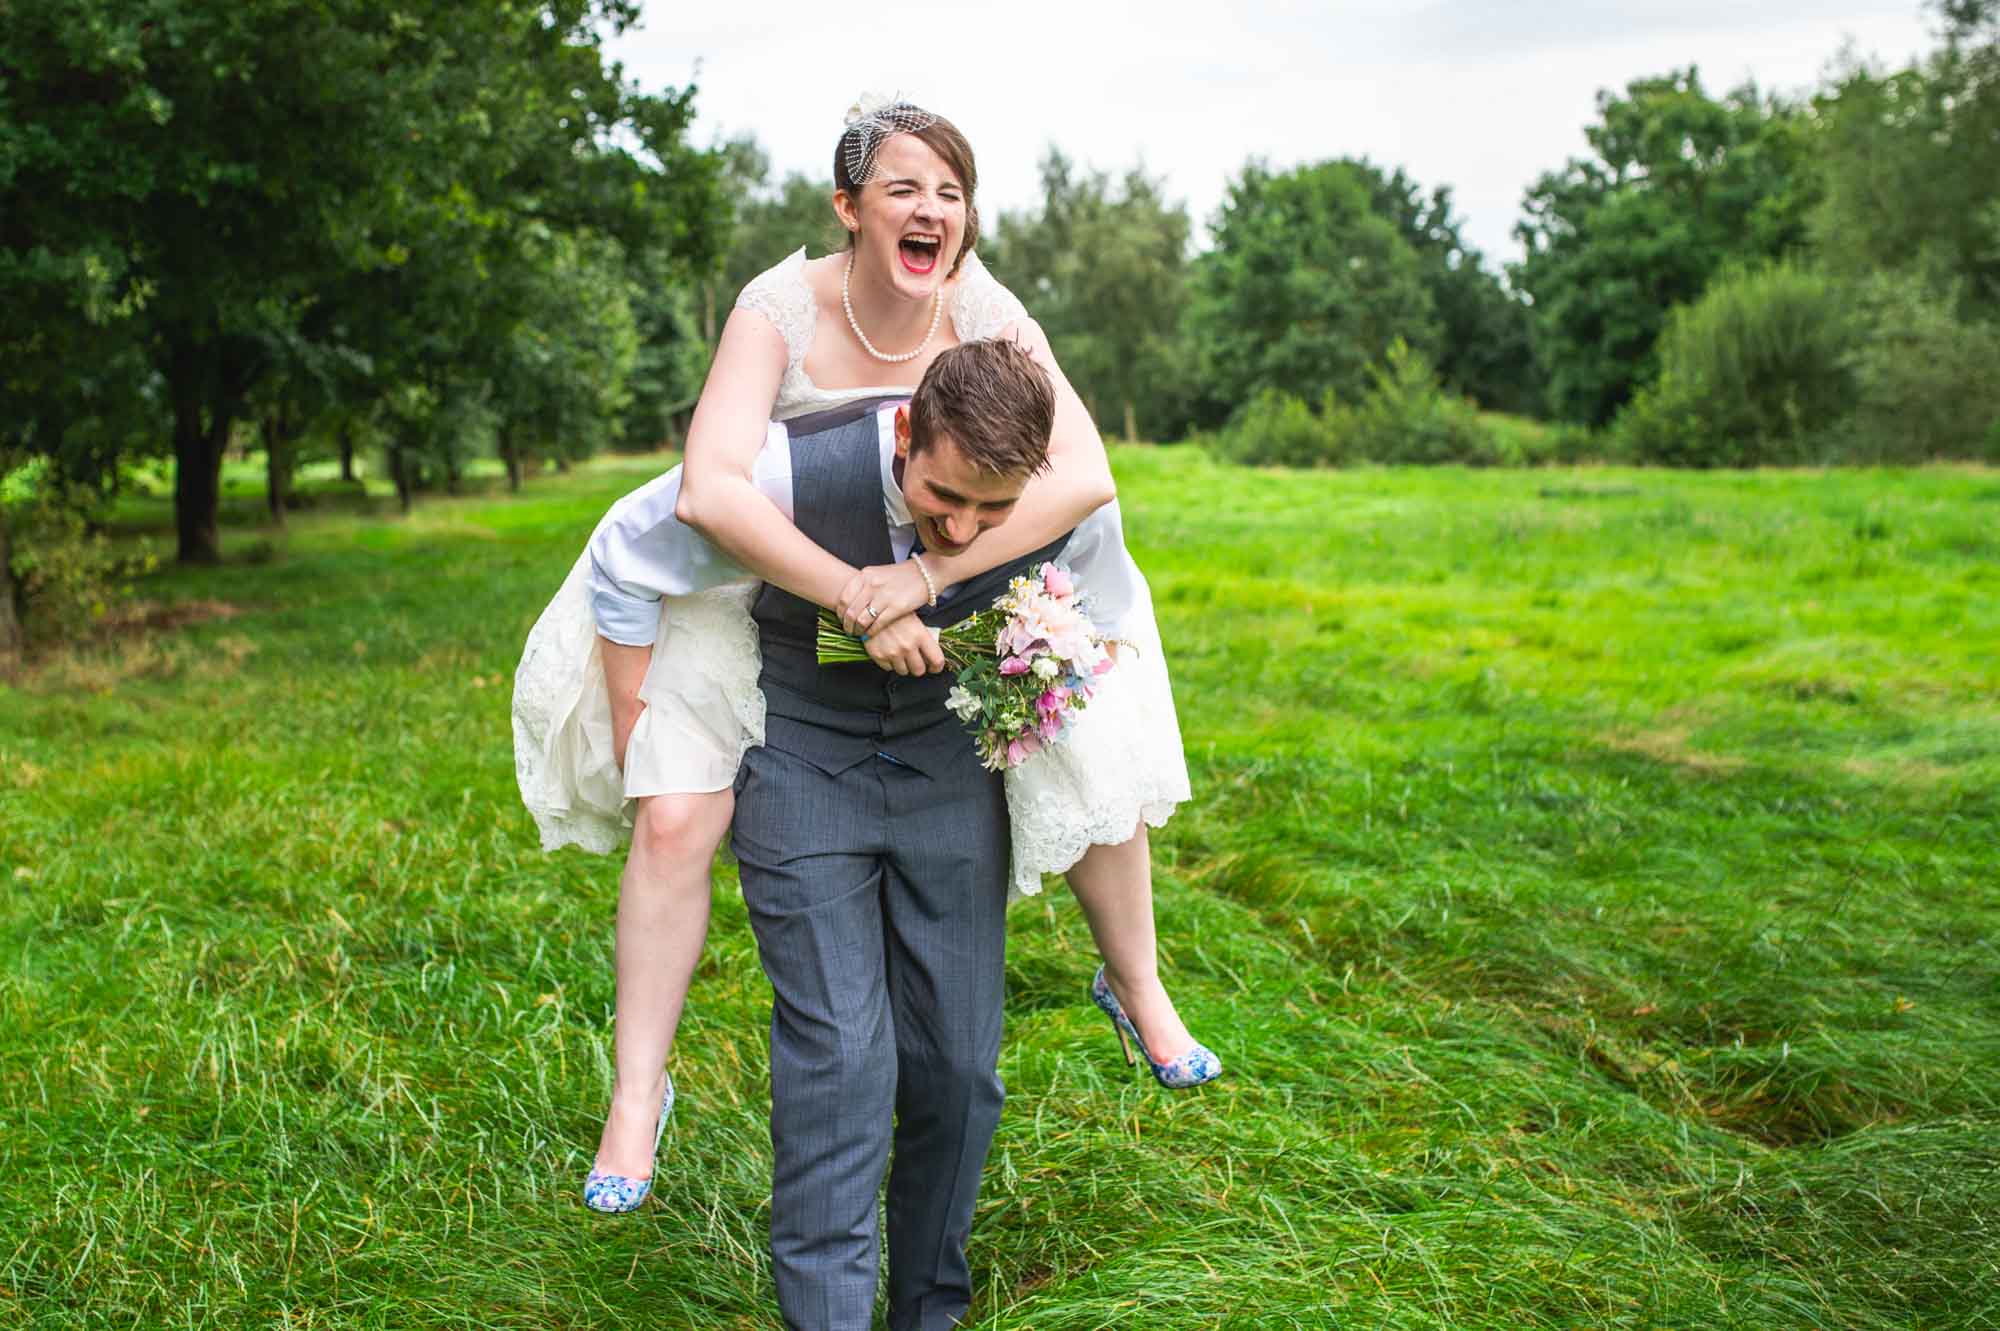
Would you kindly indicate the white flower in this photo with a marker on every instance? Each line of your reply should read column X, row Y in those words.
column 961, row 703
column 867, row 106
column 1047, row 667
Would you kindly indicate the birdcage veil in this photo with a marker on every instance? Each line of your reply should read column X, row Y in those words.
column 871, row 121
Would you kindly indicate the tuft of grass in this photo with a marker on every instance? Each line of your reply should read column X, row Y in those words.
column 1590, row 886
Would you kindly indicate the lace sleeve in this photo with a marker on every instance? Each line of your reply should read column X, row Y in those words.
column 982, row 307
column 780, row 294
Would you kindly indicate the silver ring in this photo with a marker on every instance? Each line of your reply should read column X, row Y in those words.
column 872, row 613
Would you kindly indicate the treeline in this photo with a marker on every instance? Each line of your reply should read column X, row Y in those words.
column 422, row 233
column 420, row 229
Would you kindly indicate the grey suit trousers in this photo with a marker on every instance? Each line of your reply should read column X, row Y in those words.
column 878, row 893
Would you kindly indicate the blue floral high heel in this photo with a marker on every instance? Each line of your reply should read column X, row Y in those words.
column 1196, row 1066
column 614, row 1194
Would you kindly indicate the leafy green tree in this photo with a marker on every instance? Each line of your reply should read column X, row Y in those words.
column 1681, row 183
column 769, row 219
column 253, row 180
column 1102, row 266
column 1485, row 351
column 1307, row 284
column 1911, row 166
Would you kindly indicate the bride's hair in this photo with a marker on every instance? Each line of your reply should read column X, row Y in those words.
column 941, row 137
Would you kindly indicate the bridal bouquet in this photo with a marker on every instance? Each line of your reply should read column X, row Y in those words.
column 1026, row 666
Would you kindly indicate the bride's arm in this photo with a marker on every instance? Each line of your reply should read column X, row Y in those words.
column 718, row 498
column 1077, row 483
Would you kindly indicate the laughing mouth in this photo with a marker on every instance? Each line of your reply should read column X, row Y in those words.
column 920, row 251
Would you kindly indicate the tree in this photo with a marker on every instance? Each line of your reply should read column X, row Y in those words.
column 1910, row 164
column 769, row 221
column 1103, row 268
column 1306, row 286
column 1680, row 185
column 1485, row 351
column 259, row 180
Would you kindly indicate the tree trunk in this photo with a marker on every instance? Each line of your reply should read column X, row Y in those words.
column 562, row 464
column 347, row 452
column 197, row 461
column 708, row 311
column 11, row 637
column 277, row 467
column 451, row 475
column 400, row 470
column 512, row 457
column 1131, row 424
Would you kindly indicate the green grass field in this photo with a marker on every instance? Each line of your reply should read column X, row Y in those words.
column 1590, row 883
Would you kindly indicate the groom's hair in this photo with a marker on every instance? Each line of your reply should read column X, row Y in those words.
column 993, row 401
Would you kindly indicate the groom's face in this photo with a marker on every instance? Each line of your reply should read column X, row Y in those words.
column 951, row 499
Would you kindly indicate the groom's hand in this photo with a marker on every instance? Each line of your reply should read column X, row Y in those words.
column 890, row 590
column 905, row 645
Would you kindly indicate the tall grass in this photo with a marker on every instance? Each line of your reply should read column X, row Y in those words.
column 1591, row 885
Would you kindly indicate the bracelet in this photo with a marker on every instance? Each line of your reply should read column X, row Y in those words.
column 929, row 581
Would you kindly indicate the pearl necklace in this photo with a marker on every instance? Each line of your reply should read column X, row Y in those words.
column 847, row 303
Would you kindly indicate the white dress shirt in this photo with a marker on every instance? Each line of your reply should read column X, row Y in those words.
column 641, row 552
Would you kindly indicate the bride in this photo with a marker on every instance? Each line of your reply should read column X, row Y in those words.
column 633, row 706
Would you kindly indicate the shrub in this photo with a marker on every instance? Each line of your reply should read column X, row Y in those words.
column 60, row 573
column 1928, row 381
column 1275, row 429
column 1756, row 371
column 1404, row 417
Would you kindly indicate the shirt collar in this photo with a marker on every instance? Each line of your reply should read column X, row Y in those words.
column 894, row 506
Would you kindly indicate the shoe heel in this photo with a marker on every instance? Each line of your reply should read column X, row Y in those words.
column 1123, row 1043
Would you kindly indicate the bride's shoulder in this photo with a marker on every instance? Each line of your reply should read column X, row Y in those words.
column 783, row 294
column 982, row 306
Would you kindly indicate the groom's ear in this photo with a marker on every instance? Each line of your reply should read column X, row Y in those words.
column 903, row 432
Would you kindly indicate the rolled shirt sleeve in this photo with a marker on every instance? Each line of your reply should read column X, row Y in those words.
column 641, row 552
column 1104, row 571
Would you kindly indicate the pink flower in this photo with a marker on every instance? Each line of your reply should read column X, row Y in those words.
column 1014, row 665
column 1022, row 749
column 1057, row 581
column 1051, row 702
column 1103, row 666
column 1051, row 727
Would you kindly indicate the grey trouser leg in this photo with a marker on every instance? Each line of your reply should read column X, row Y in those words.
column 814, row 891
column 878, row 899
column 945, row 901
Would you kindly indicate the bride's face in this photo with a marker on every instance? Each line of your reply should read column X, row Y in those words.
column 909, row 220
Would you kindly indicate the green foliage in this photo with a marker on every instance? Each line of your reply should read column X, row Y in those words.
column 1276, row 429
column 317, row 205
column 1756, row 372
column 1405, row 416
column 1306, row 285
column 1927, row 381
column 1484, row 348
column 1102, row 267
column 59, row 574
column 1911, row 167
column 1681, row 185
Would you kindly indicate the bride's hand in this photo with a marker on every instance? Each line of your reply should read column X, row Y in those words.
column 891, row 590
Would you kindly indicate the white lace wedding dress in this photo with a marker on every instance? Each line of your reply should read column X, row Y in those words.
column 1121, row 762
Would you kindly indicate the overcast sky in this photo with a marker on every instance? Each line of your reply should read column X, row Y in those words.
column 1482, row 95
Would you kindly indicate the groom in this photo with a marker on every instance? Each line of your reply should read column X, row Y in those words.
column 874, row 850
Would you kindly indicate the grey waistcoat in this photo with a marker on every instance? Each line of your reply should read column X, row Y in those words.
column 847, row 713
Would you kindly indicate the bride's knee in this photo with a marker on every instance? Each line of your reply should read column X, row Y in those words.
column 681, row 827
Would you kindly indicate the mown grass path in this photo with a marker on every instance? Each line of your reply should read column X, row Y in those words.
column 1591, row 884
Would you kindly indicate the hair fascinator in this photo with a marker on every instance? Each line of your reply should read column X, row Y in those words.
column 870, row 122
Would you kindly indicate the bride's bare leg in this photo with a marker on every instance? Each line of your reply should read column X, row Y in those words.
column 1114, row 885
column 663, row 899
